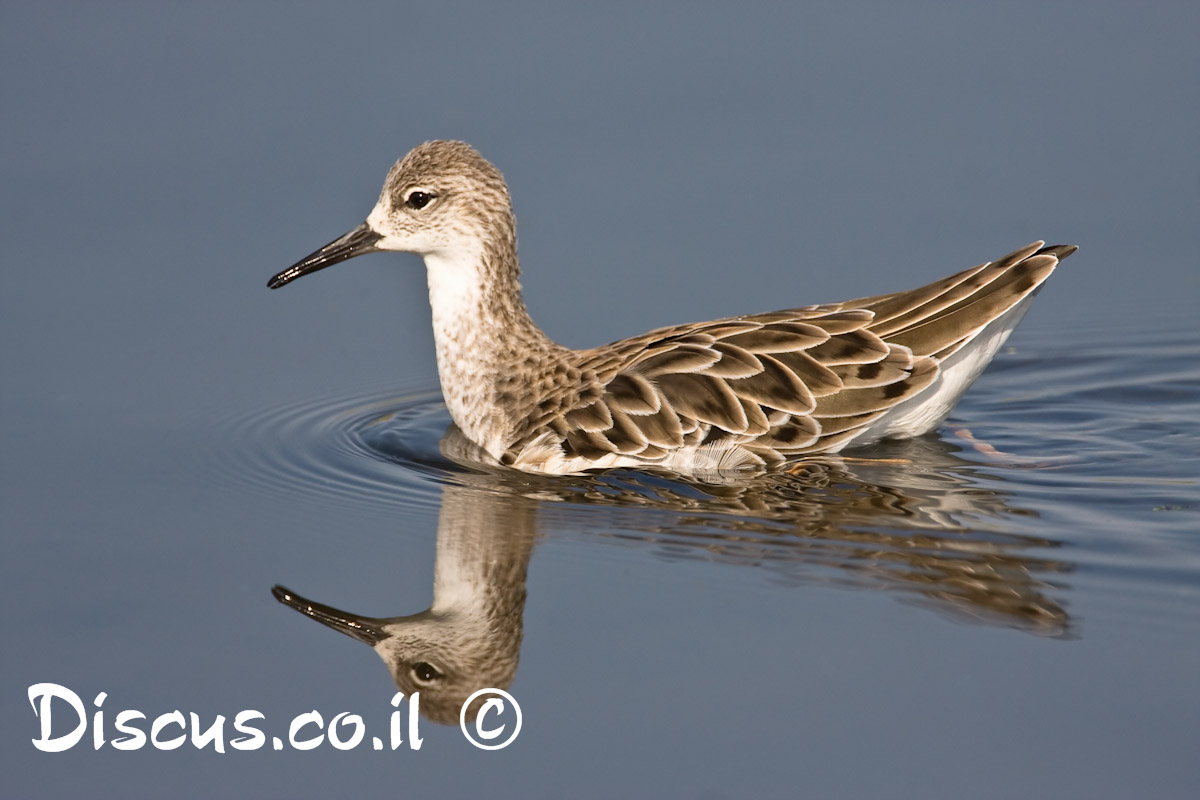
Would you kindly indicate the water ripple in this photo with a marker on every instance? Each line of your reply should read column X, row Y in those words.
column 373, row 449
column 1103, row 480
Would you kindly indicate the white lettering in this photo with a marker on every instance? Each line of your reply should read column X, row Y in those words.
column 311, row 718
column 132, row 728
column 360, row 730
column 414, row 737
column 215, row 733
column 47, row 692
column 135, row 738
column 98, row 722
column 497, row 704
column 395, row 721
column 174, row 718
column 257, row 738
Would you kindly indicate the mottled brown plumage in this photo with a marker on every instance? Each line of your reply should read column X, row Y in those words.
column 707, row 397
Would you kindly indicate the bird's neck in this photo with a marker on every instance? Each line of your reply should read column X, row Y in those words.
column 484, row 542
column 483, row 335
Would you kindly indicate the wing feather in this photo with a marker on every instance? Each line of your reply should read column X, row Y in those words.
column 895, row 366
column 853, row 347
column 591, row 418
column 756, row 420
column 705, row 399
column 684, row 358
column 775, row 387
column 735, row 362
column 966, row 317
column 626, row 437
column 797, row 433
column 851, row 402
column 820, row 379
column 662, row 428
column 633, row 394
column 804, row 380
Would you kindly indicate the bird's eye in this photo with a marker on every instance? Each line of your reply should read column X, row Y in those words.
column 418, row 199
column 425, row 673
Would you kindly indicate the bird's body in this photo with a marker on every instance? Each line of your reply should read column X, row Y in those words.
column 714, row 396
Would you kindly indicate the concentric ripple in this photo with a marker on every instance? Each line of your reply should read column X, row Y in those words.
column 372, row 449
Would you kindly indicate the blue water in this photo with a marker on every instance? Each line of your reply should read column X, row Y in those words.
column 1070, row 461
column 1009, row 607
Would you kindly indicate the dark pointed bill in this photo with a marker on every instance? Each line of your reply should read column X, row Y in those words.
column 355, row 243
column 366, row 629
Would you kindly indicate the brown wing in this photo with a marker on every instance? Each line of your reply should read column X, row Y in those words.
column 787, row 382
column 939, row 318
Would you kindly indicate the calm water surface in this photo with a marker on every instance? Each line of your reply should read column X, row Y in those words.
column 1081, row 465
column 1069, row 511
column 1008, row 608
column 1015, row 599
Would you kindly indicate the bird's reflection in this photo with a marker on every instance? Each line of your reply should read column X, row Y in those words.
column 916, row 525
column 471, row 636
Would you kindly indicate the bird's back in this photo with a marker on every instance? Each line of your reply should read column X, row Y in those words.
column 758, row 389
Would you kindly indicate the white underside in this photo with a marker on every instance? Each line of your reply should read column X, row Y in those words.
column 928, row 408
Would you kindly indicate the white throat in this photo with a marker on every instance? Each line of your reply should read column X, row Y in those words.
column 455, row 286
column 458, row 583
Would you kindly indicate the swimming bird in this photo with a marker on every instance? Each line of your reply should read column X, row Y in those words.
column 710, row 397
